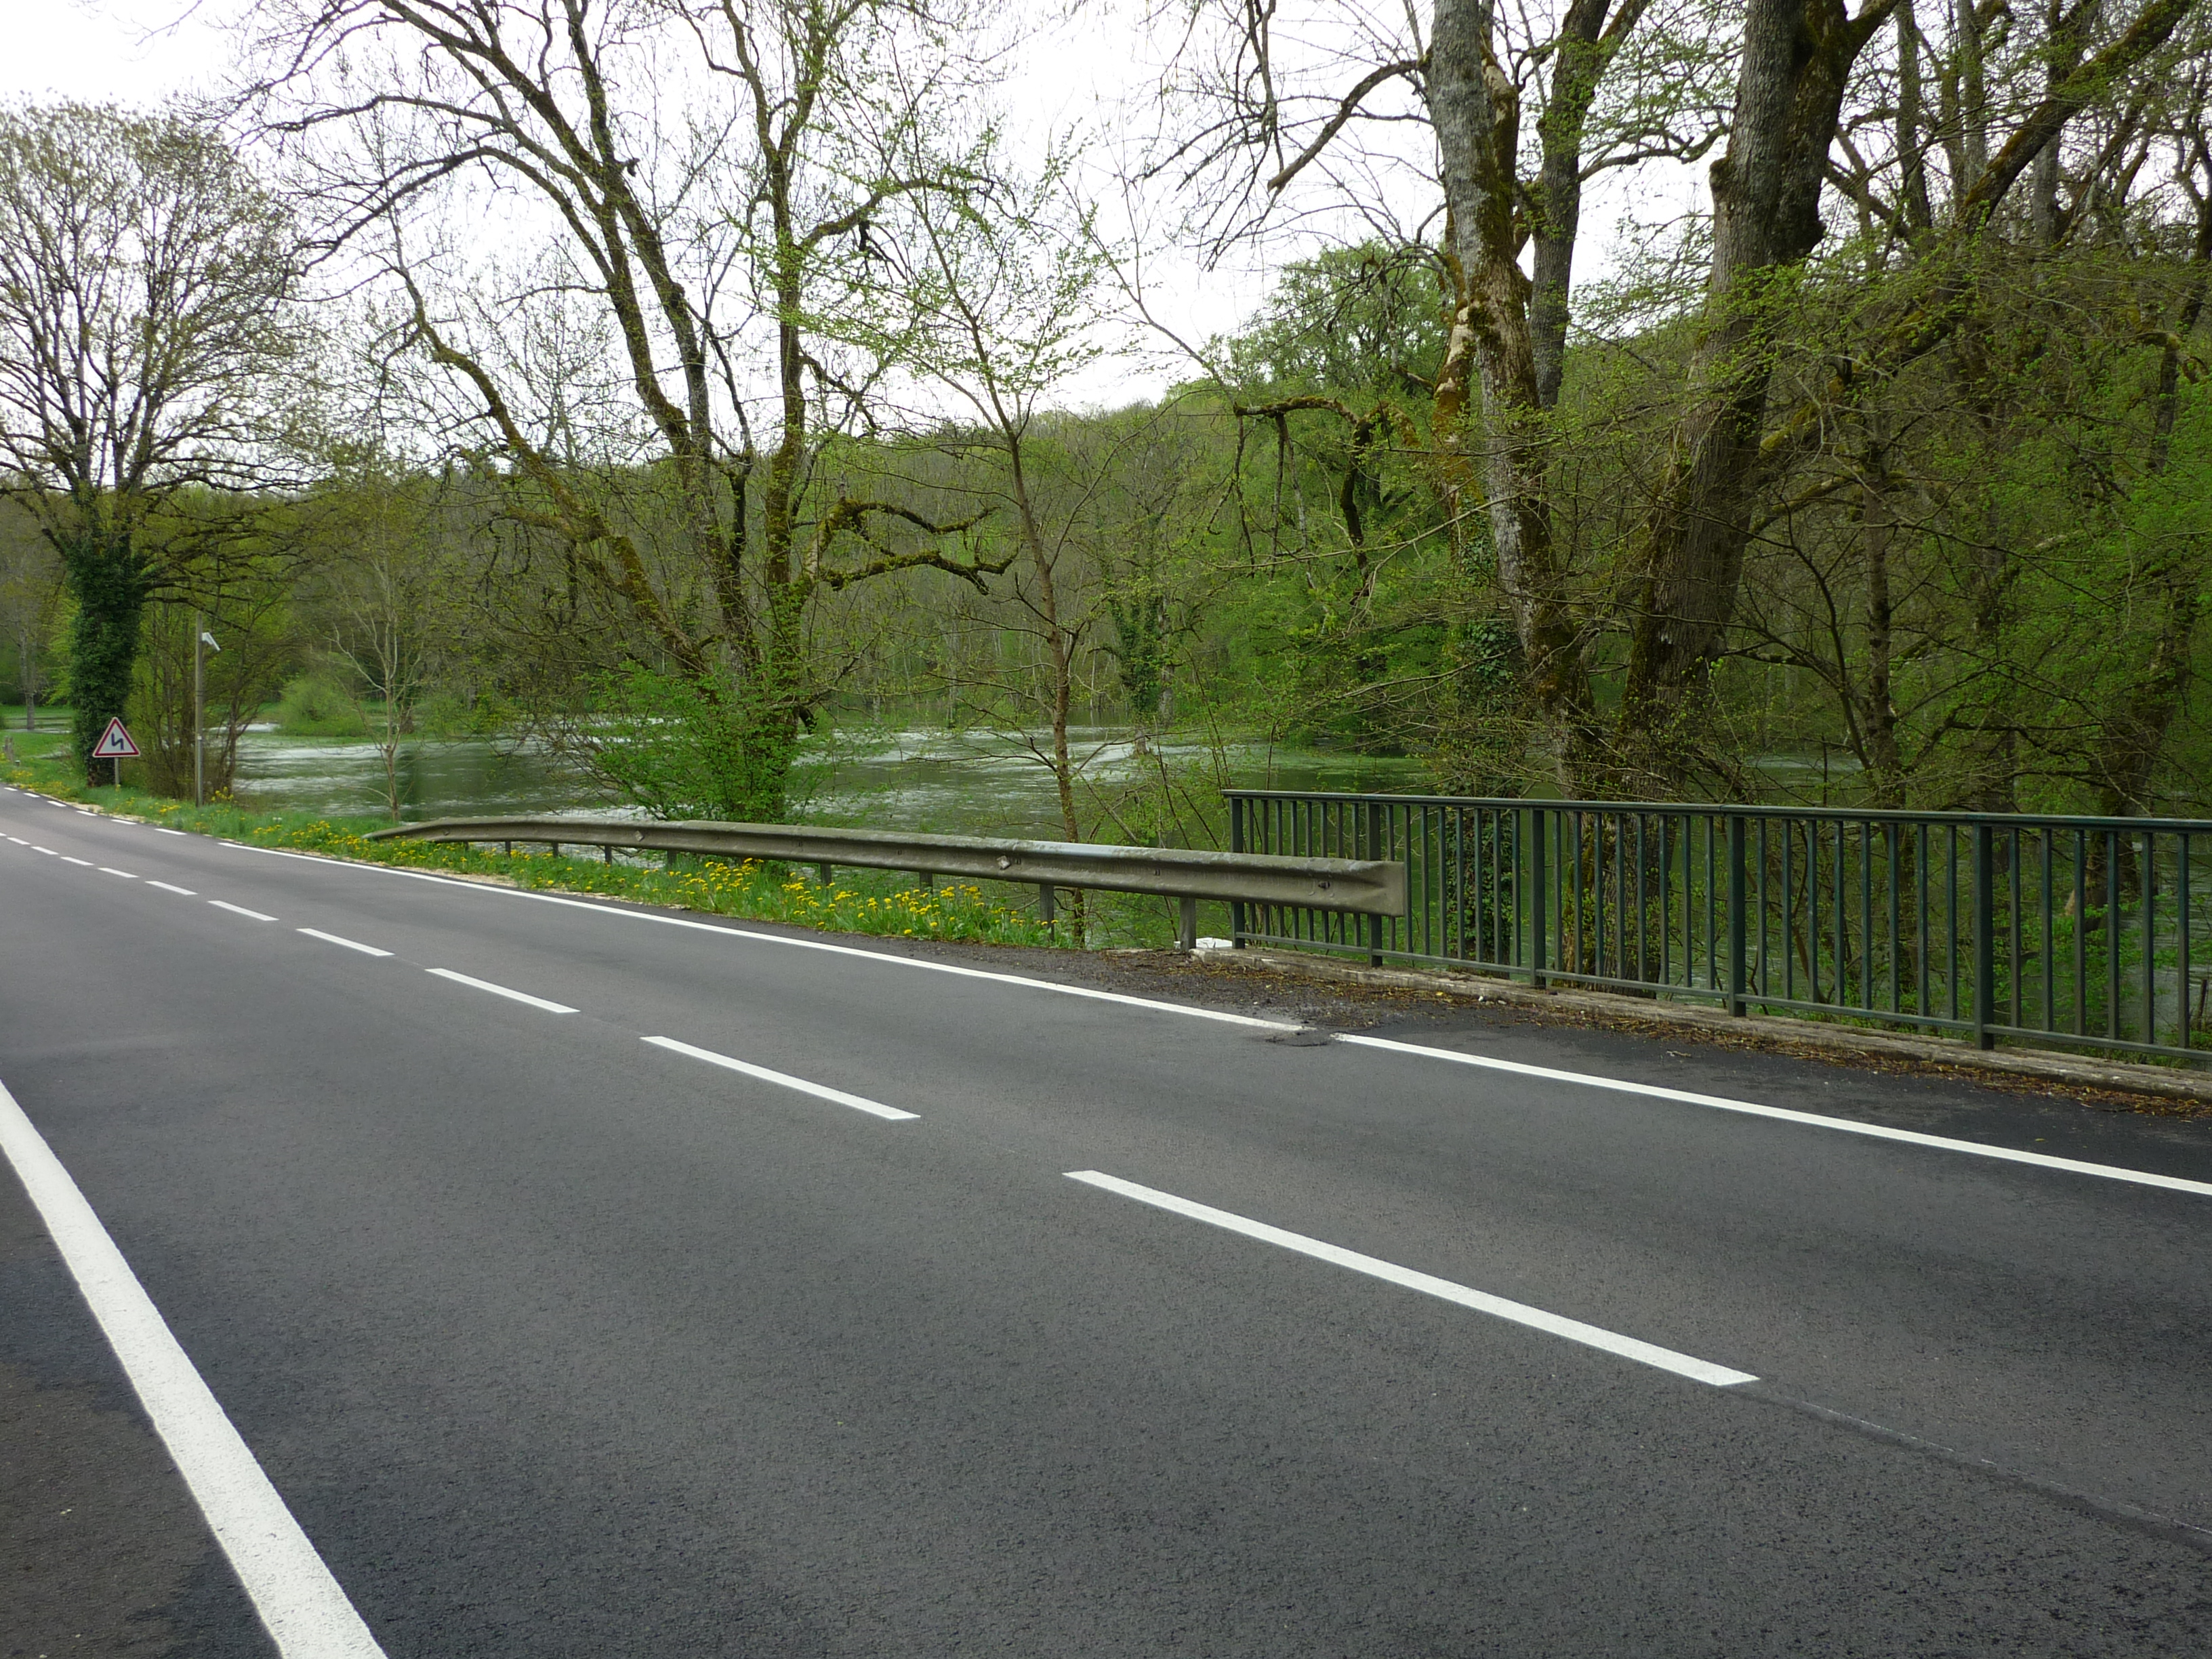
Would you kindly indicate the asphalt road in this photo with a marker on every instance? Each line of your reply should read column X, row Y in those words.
column 558, row 1340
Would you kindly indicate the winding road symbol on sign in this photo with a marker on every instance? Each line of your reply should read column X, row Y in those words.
column 115, row 743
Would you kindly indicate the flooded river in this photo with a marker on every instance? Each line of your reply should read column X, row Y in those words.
column 958, row 783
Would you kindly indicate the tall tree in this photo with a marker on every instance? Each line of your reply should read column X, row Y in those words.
column 1008, row 306
column 1526, row 106
column 1794, row 74
column 144, row 275
column 717, row 268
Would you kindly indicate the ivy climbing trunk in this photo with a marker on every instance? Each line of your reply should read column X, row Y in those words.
column 109, row 582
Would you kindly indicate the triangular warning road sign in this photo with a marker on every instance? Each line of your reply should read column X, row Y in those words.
column 115, row 743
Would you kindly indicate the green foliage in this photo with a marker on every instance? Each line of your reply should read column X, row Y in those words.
column 1364, row 320
column 685, row 750
column 139, row 322
column 311, row 707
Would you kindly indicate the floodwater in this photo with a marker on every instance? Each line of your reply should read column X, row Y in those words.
column 949, row 782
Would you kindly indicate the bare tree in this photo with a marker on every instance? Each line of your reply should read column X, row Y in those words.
column 144, row 278
column 710, row 181
column 1009, row 306
column 388, row 609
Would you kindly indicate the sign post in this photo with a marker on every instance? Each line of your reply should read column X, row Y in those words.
column 199, row 711
column 115, row 745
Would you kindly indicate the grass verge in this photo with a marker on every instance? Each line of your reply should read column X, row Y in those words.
column 861, row 903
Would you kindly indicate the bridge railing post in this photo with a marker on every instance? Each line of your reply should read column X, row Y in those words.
column 1538, row 909
column 1739, row 966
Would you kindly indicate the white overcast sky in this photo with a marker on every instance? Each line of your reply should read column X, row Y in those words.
column 140, row 51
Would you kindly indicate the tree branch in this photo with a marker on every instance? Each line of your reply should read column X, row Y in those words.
column 1344, row 111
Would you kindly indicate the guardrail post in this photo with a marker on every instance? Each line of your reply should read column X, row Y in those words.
column 1044, row 902
column 1985, row 944
column 1236, row 845
column 1188, row 909
column 1739, row 961
column 829, row 875
column 1539, row 928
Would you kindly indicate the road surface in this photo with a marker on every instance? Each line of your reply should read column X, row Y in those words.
column 582, row 1279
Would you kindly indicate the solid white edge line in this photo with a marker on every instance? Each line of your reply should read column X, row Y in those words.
column 1783, row 1114
column 351, row 944
column 1519, row 1313
column 501, row 991
column 107, row 869
column 629, row 915
column 305, row 1609
column 170, row 887
column 240, row 910
column 783, row 1080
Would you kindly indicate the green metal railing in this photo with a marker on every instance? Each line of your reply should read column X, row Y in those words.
column 2086, row 932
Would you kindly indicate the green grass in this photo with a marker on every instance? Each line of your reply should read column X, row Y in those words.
column 870, row 903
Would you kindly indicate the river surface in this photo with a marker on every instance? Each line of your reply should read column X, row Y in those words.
column 955, row 783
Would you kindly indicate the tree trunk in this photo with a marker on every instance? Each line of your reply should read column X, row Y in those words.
column 110, row 581
column 30, row 678
column 2062, row 56
column 1475, row 110
column 771, row 653
column 1912, row 163
column 1584, row 45
column 1796, row 57
column 1969, row 24
column 1878, row 717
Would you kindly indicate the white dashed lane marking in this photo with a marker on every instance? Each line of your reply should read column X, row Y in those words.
column 351, row 944
column 784, row 1081
column 501, row 991
column 1498, row 1307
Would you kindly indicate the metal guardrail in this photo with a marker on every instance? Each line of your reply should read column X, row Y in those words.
column 1319, row 884
column 2094, row 932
